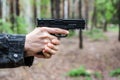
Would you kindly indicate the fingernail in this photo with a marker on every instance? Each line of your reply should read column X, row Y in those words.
column 67, row 32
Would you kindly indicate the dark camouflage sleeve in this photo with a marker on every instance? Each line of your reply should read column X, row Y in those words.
column 12, row 51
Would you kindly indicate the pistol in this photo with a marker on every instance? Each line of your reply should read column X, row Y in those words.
column 67, row 24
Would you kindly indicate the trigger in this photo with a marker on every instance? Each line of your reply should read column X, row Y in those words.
column 60, row 35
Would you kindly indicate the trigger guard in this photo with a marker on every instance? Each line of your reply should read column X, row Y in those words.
column 60, row 35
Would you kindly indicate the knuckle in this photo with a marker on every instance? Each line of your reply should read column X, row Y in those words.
column 45, row 34
column 49, row 45
column 56, row 30
column 56, row 41
column 43, row 28
column 46, row 41
column 43, row 47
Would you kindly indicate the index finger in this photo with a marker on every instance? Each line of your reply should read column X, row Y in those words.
column 55, row 30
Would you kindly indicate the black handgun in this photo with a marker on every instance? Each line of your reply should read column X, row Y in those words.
column 67, row 24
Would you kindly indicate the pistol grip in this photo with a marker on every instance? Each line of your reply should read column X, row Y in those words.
column 46, row 55
column 40, row 53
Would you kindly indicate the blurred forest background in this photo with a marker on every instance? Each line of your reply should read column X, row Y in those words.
column 98, row 60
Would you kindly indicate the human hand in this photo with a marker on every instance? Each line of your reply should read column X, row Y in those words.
column 41, row 40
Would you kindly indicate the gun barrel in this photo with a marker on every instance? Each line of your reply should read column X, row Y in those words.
column 62, row 23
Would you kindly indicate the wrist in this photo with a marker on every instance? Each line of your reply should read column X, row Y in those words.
column 26, row 48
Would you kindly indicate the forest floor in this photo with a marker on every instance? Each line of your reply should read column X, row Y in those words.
column 102, row 56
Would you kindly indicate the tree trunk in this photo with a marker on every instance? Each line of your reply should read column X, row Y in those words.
column 80, row 31
column 119, row 33
column 12, row 18
column 70, row 8
column 118, row 13
column 0, row 9
column 57, row 8
column 80, row 9
column 35, row 10
column 94, row 17
column 17, row 13
column 17, row 8
column 4, row 10
column 73, row 9
column 27, row 13
column 80, row 39
column 38, row 8
column 52, row 8
column 66, row 9
column 62, row 8
column 105, row 26
column 86, row 12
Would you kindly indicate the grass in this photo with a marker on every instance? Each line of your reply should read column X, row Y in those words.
column 113, row 28
column 71, row 33
column 83, row 72
column 115, row 73
column 96, row 34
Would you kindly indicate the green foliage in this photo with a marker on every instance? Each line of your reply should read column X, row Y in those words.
column 45, row 13
column 105, row 11
column 45, row 2
column 81, row 71
column 115, row 72
column 5, row 27
column 113, row 28
column 98, row 75
column 84, row 73
column 21, row 25
column 88, row 78
column 71, row 33
column 44, row 7
column 96, row 34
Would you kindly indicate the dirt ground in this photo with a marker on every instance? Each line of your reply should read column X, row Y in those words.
column 102, row 56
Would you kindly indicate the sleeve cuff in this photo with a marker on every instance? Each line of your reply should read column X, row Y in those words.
column 16, row 51
column 28, row 61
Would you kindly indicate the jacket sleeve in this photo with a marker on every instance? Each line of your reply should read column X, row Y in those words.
column 12, row 51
